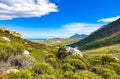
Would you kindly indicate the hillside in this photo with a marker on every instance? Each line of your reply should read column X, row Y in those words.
column 15, row 52
column 23, row 59
column 106, row 35
column 78, row 36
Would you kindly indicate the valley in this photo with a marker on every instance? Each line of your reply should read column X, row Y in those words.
column 97, row 58
column 59, row 39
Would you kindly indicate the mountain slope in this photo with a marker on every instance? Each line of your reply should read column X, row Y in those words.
column 16, row 39
column 23, row 59
column 78, row 36
column 104, row 36
column 17, row 53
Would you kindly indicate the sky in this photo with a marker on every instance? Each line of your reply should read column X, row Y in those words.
column 57, row 18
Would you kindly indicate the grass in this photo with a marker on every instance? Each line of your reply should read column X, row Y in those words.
column 103, row 50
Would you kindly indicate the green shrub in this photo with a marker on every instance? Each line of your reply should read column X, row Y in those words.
column 95, row 60
column 46, row 77
column 101, row 59
column 43, row 68
column 3, row 55
column 67, row 67
column 85, row 75
column 107, row 59
column 20, row 75
column 61, row 53
column 18, row 49
column 116, row 67
column 78, row 57
column 38, row 55
column 105, row 73
column 68, row 75
column 107, row 66
column 52, row 62
column 50, row 56
column 78, row 64
column 10, row 49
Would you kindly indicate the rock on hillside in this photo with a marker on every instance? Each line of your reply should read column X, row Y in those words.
column 15, row 62
column 73, row 50
column 6, row 39
column 64, row 51
column 16, row 34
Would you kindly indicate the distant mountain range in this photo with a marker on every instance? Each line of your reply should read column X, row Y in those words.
column 106, row 35
column 78, row 36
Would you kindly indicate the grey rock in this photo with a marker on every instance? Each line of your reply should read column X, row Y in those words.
column 73, row 50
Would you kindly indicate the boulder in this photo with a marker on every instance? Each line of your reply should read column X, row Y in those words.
column 6, row 39
column 26, row 52
column 21, row 62
column 73, row 50
column 12, row 70
column 4, row 67
column 2, row 29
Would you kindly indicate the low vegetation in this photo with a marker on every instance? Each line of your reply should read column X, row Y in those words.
column 52, row 62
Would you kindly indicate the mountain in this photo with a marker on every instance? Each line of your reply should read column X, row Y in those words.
column 106, row 35
column 78, row 36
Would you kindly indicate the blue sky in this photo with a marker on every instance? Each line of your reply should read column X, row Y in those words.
column 57, row 18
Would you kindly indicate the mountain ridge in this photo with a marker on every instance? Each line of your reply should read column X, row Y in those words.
column 77, row 36
column 108, row 30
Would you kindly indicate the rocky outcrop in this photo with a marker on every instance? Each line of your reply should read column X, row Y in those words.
column 16, row 34
column 64, row 51
column 73, row 50
column 2, row 29
column 26, row 53
column 4, row 67
column 6, row 39
column 12, row 70
column 16, row 62
column 21, row 62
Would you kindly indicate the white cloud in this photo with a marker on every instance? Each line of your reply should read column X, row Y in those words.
column 85, row 28
column 109, row 19
column 65, row 31
column 10, row 9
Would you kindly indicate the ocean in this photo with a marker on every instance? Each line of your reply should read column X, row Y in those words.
column 36, row 39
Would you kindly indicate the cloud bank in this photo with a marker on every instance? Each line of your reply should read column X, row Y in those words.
column 86, row 28
column 109, row 19
column 66, row 30
column 10, row 9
